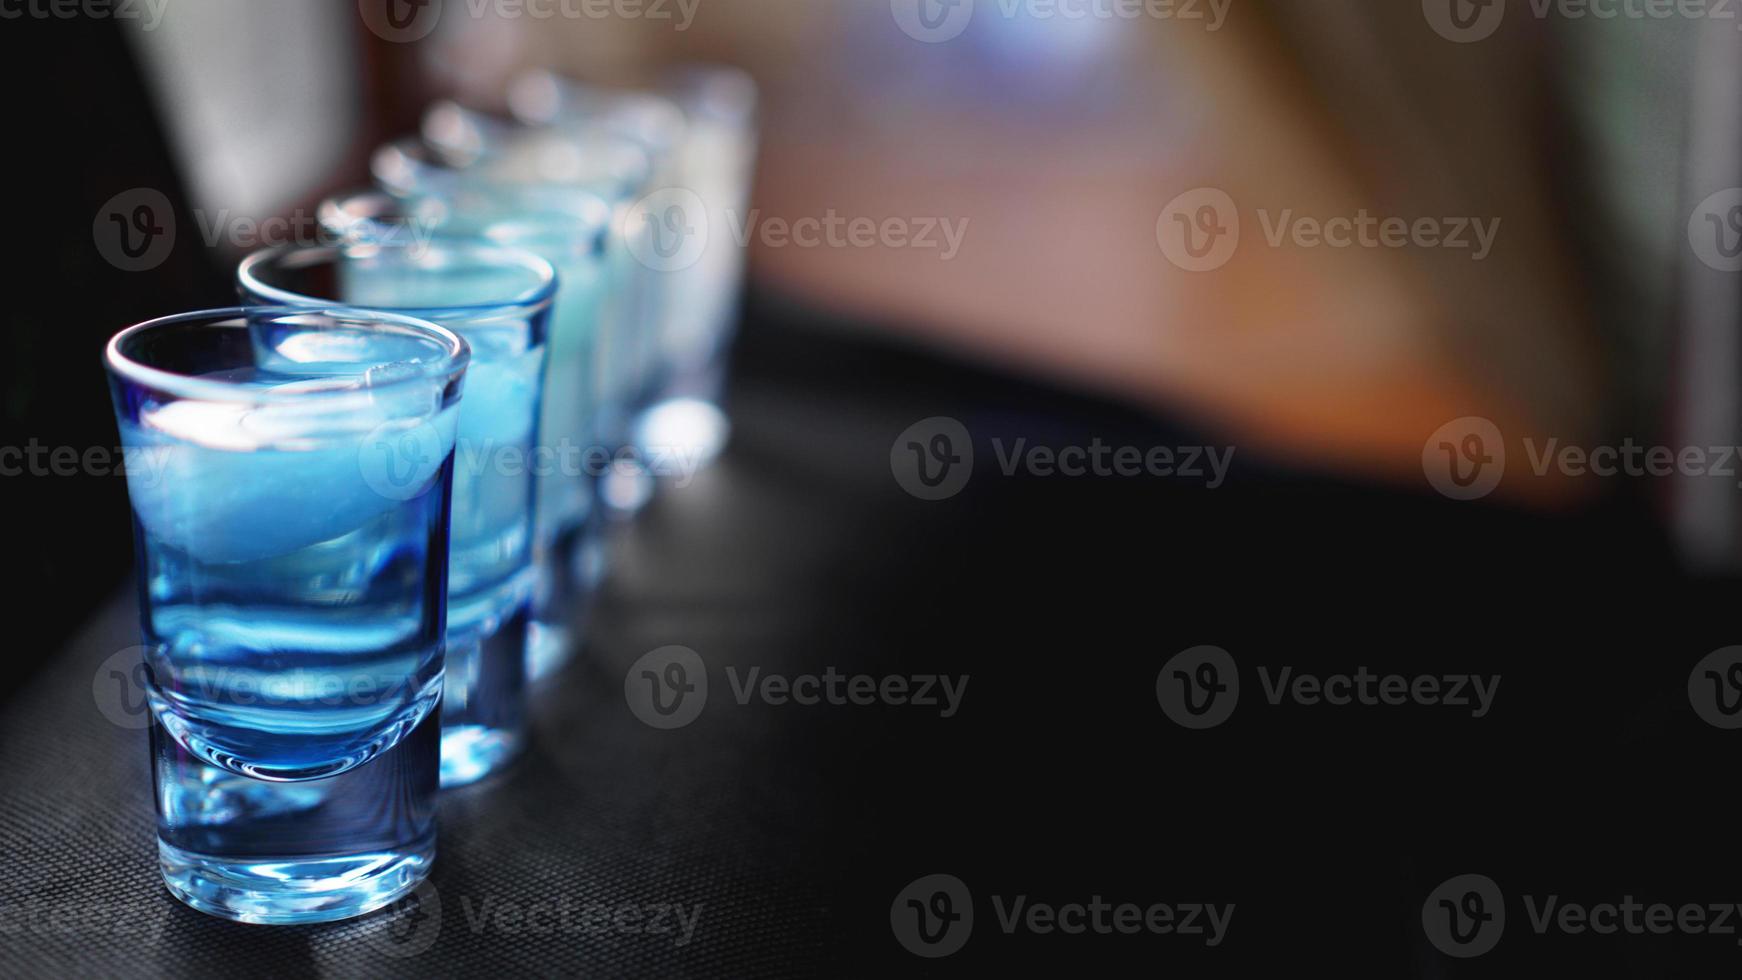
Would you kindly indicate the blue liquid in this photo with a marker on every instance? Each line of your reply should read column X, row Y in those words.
column 293, row 628
column 491, row 579
column 568, row 431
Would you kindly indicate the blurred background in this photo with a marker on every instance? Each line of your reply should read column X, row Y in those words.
column 1050, row 139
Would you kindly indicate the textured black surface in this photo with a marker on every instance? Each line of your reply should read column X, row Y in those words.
column 792, row 829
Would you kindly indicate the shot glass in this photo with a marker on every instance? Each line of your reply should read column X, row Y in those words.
column 661, row 232
column 717, row 161
column 522, row 184
column 499, row 300
column 292, row 592
column 704, row 157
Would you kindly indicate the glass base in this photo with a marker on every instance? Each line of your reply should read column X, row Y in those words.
column 566, row 581
column 625, row 490
column 685, row 431
column 289, row 892
column 484, row 707
column 547, row 649
column 471, row 752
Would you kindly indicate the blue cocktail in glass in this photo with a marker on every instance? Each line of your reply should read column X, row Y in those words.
column 700, row 131
column 291, row 538
column 560, row 111
column 499, row 300
column 563, row 200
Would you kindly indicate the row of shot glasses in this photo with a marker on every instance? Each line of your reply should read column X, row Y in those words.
column 385, row 479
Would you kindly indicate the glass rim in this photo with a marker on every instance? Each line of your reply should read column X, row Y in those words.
column 457, row 354
column 373, row 204
column 548, row 98
column 454, row 166
column 530, row 301
column 721, row 92
column 341, row 212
